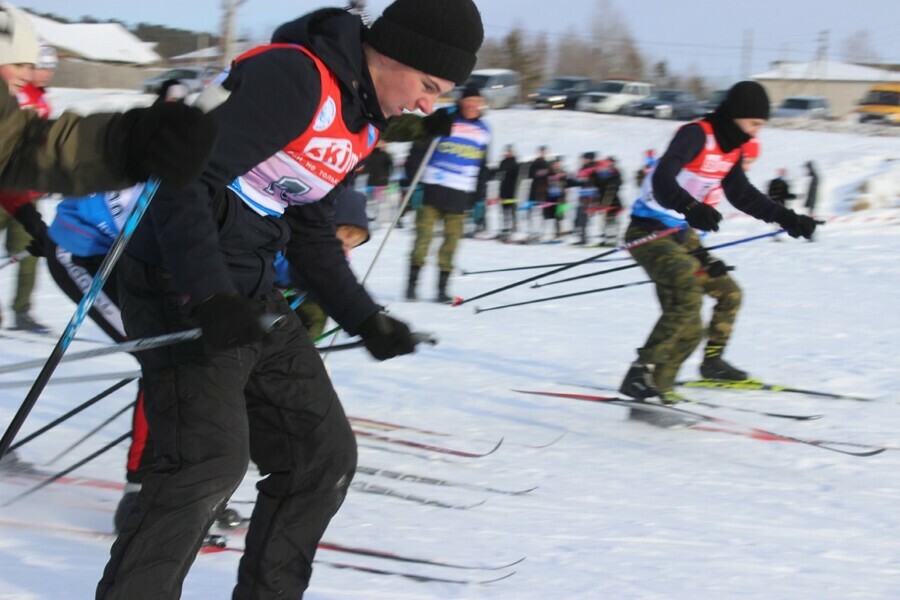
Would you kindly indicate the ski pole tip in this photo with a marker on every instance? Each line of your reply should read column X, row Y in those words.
column 457, row 301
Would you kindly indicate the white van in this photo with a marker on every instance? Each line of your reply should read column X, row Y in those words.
column 499, row 87
column 613, row 96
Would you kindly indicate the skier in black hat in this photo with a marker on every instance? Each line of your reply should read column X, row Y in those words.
column 703, row 158
column 296, row 118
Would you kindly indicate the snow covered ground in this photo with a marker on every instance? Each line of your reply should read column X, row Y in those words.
column 623, row 509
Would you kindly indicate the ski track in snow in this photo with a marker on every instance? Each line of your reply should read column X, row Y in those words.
column 623, row 510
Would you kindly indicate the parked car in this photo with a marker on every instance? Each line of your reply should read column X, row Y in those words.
column 666, row 104
column 499, row 87
column 193, row 78
column 561, row 92
column 809, row 107
column 613, row 95
column 881, row 103
column 712, row 103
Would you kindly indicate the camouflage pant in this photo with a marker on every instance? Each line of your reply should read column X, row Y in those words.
column 17, row 239
column 680, row 289
column 426, row 217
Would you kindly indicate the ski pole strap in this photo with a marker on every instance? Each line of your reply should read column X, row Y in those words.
column 15, row 258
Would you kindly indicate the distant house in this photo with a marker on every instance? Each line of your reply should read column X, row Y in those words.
column 843, row 84
column 96, row 42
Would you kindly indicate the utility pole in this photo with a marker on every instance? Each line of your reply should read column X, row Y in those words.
column 747, row 54
column 227, row 28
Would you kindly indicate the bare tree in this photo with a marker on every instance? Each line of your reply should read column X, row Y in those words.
column 858, row 48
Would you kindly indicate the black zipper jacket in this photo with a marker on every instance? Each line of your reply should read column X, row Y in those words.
column 205, row 235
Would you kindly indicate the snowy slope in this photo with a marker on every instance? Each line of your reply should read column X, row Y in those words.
column 623, row 510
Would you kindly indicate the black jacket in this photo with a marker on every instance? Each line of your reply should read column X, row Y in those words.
column 206, row 236
column 779, row 191
column 379, row 167
column 509, row 184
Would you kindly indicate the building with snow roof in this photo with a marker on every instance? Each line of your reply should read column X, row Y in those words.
column 843, row 84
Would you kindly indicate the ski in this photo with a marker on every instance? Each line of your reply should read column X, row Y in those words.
column 411, row 559
column 214, row 544
column 369, row 488
column 757, row 385
column 388, row 426
column 702, row 422
column 424, row 446
column 765, row 413
column 401, row 476
column 413, row 576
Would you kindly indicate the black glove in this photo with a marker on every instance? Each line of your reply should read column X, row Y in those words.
column 797, row 225
column 30, row 219
column 716, row 268
column 228, row 320
column 386, row 337
column 170, row 140
column 439, row 123
column 702, row 216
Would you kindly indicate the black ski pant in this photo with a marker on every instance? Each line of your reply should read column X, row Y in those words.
column 209, row 414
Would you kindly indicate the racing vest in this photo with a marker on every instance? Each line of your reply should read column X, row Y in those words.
column 700, row 178
column 457, row 158
column 312, row 164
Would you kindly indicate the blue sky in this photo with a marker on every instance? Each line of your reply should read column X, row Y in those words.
column 706, row 34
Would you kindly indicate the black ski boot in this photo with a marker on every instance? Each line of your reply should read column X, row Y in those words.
column 411, row 284
column 715, row 367
column 718, row 368
column 442, row 297
column 638, row 382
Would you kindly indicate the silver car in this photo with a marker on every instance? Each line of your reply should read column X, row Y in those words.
column 193, row 78
column 806, row 107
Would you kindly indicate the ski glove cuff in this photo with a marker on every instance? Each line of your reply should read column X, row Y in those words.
column 701, row 216
column 386, row 337
column 170, row 140
column 227, row 321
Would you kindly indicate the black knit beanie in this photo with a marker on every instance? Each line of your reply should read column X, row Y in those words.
column 438, row 37
column 470, row 91
column 747, row 100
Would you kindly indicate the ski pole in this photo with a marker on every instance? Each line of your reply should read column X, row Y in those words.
column 130, row 375
column 532, row 267
column 90, row 433
column 267, row 322
column 112, row 257
column 606, row 289
column 14, row 259
column 84, row 405
column 716, row 247
column 633, row 244
column 577, row 277
column 65, row 472
column 418, row 338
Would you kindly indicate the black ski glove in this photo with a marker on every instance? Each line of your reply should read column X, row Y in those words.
column 170, row 140
column 701, row 216
column 386, row 337
column 439, row 123
column 227, row 321
column 797, row 225
column 713, row 266
column 30, row 219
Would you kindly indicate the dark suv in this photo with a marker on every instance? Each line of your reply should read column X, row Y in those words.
column 561, row 92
